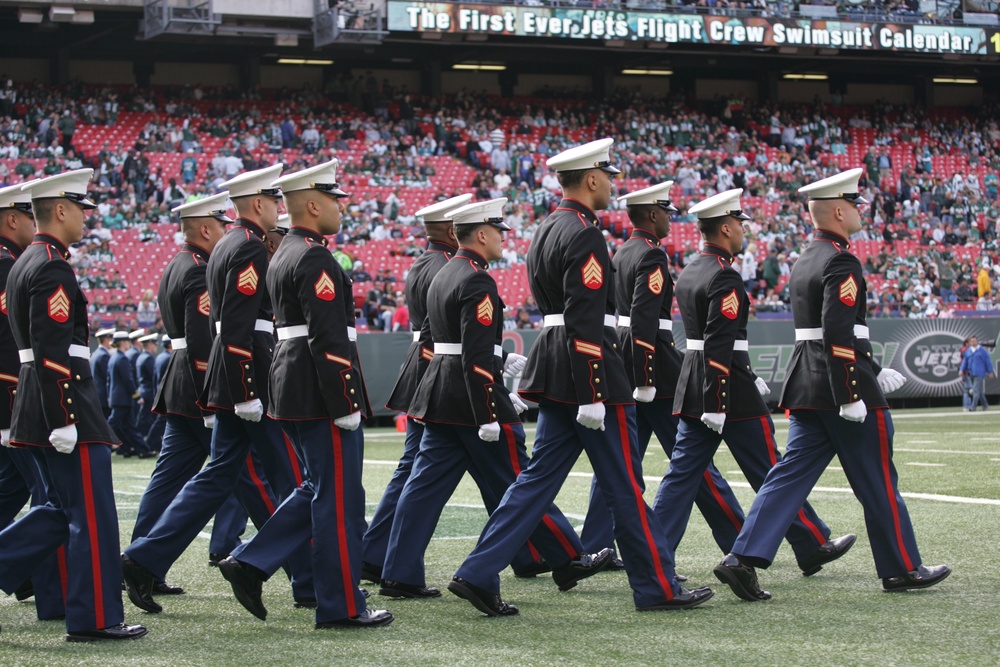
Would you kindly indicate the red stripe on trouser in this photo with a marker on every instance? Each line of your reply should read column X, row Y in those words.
column 338, row 490
column 883, row 442
column 515, row 464
column 95, row 554
column 813, row 528
column 259, row 483
column 63, row 572
column 730, row 514
column 294, row 460
column 772, row 449
column 654, row 553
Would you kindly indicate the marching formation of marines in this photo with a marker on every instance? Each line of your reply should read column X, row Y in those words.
column 263, row 380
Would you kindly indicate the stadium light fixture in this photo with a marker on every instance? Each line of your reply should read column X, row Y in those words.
column 806, row 77
column 647, row 72
column 303, row 61
column 951, row 79
column 29, row 16
column 480, row 67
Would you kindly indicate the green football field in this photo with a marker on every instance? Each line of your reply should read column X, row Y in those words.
column 949, row 468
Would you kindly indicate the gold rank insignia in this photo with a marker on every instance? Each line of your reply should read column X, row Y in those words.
column 204, row 305
column 59, row 305
column 730, row 305
column 324, row 287
column 246, row 280
column 484, row 311
column 849, row 291
column 3, row 302
column 656, row 281
column 593, row 273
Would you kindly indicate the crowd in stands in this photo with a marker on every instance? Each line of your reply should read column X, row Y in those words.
column 929, row 245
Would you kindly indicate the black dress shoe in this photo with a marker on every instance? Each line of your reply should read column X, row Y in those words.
column 25, row 591
column 486, row 602
column 120, row 631
column 616, row 565
column 397, row 589
column 139, row 585
column 215, row 559
column 304, row 603
column 741, row 578
column 587, row 565
column 533, row 570
column 365, row 592
column 922, row 577
column 163, row 588
column 151, row 454
column 371, row 572
column 680, row 577
column 830, row 551
column 247, row 583
column 684, row 599
column 369, row 618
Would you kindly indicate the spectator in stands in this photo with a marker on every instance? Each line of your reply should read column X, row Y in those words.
column 400, row 320
column 984, row 284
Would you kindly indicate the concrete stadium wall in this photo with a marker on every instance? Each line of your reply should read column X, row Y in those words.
column 25, row 69
column 206, row 74
column 710, row 89
column 649, row 85
column 103, row 71
column 957, row 96
column 291, row 76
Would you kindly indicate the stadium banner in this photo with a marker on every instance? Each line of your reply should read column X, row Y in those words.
column 927, row 352
column 680, row 28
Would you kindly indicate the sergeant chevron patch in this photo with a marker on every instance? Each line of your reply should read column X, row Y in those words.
column 730, row 305
column 325, row 288
column 204, row 305
column 656, row 281
column 484, row 311
column 246, row 280
column 849, row 291
column 58, row 305
column 3, row 302
column 593, row 273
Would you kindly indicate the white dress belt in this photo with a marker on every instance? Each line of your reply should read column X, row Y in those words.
column 456, row 348
column 416, row 336
column 179, row 343
column 267, row 326
column 696, row 344
column 560, row 321
column 860, row 331
column 301, row 331
column 665, row 325
column 78, row 351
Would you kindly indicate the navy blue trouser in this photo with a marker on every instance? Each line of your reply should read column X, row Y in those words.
column 121, row 420
column 228, row 527
column 376, row 540
column 80, row 514
column 751, row 442
column 201, row 497
column 559, row 441
column 715, row 498
column 329, row 509
column 154, row 437
column 865, row 453
column 186, row 445
column 446, row 452
column 20, row 479
column 144, row 419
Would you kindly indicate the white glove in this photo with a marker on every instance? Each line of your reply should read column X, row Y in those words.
column 644, row 394
column 519, row 405
column 252, row 411
column 514, row 365
column 854, row 412
column 890, row 380
column 5, row 437
column 349, row 423
column 489, row 432
column 141, row 401
column 714, row 420
column 209, row 421
column 64, row 439
column 762, row 387
column 591, row 416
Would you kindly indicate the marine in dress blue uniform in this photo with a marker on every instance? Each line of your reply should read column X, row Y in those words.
column 472, row 421
column 138, row 404
column 99, row 367
column 318, row 395
column 644, row 295
column 835, row 393
column 145, row 365
column 718, row 395
column 159, row 370
column 235, row 389
column 123, row 392
column 58, row 416
column 184, row 307
column 19, row 474
column 576, row 373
